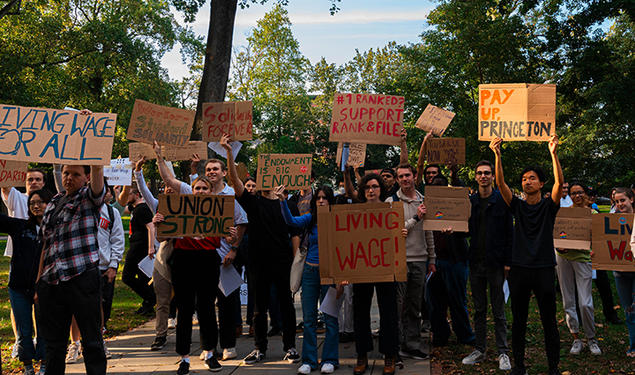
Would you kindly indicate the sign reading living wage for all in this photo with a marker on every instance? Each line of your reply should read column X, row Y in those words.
column 435, row 120
column 447, row 207
column 173, row 153
column 291, row 170
column 516, row 112
column 195, row 215
column 12, row 173
column 55, row 136
column 572, row 229
column 119, row 173
column 367, row 118
column 166, row 125
column 356, row 154
column 445, row 151
column 611, row 237
column 362, row 243
column 232, row 118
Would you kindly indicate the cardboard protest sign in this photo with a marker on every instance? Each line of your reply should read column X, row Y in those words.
column 195, row 215
column 166, row 125
column 233, row 118
column 445, row 151
column 362, row 243
column 55, row 136
column 516, row 112
column 119, row 173
column 435, row 120
column 611, row 234
column 447, row 207
column 291, row 170
column 572, row 229
column 137, row 149
column 367, row 118
column 356, row 154
column 12, row 173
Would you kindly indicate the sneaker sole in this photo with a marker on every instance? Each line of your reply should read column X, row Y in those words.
column 215, row 369
column 406, row 355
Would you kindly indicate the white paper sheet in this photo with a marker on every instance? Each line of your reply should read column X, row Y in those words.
column 331, row 304
column 506, row 290
column 229, row 280
column 218, row 149
column 146, row 266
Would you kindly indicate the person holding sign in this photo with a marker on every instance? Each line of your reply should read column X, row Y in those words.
column 533, row 255
column 574, row 272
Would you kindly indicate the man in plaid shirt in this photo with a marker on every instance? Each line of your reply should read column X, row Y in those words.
column 69, row 278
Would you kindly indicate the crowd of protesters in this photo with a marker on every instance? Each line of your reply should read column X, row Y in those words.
column 66, row 249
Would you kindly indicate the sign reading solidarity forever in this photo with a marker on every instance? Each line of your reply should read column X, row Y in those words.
column 233, row 118
column 367, row 118
column 194, row 215
column 447, row 207
column 516, row 112
column 572, row 229
column 166, row 125
column 362, row 243
column 55, row 136
column 435, row 120
column 12, row 173
column 445, row 151
column 611, row 235
column 291, row 170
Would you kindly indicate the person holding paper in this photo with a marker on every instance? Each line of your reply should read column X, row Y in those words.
column 533, row 255
column 311, row 288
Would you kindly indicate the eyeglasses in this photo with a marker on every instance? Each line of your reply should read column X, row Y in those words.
column 483, row 173
column 576, row 193
column 374, row 187
column 36, row 203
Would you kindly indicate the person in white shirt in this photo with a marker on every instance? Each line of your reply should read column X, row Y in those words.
column 565, row 201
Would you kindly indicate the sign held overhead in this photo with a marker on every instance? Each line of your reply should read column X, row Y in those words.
column 233, row 118
column 435, row 120
column 291, row 170
column 166, row 125
column 445, row 151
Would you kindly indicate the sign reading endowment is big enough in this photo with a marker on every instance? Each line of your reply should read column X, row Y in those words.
column 291, row 170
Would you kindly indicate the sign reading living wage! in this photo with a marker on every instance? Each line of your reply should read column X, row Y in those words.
column 517, row 112
column 447, row 207
column 119, row 173
column 12, row 173
column 367, row 118
column 195, row 215
column 173, row 153
column 291, row 170
column 572, row 229
column 611, row 234
column 435, row 120
column 445, row 151
column 55, row 136
column 166, row 125
column 362, row 243
column 233, row 118
column 356, row 154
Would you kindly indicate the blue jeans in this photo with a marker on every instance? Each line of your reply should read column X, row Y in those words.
column 625, row 283
column 22, row 306
column 311, row 291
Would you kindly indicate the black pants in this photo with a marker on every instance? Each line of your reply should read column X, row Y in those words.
column 136, row 279
column 107, row 294
column 388, row 328
column 227, row 317
column 542, row 282
column 265, row 276
column 79, row 297
column 194, row 279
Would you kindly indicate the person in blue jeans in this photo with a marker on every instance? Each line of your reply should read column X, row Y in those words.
column 311, row 288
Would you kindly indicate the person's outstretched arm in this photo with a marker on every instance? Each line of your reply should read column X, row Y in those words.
column 556, row 192
column 403, row 157
column 421, row 159
column 239, row 188
column 164, row 171
column 506, row 193
column 348, row 185
column 146, row 194
column 97, row 180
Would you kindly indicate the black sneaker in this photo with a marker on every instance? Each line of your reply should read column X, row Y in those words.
column 414, row 354
column 212, row 364
column 253, row 357
column 159, row 343
column 292, row 356
column 398, row 362
column 184, row 368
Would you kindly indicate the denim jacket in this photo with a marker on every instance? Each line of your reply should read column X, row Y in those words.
column 499, row 230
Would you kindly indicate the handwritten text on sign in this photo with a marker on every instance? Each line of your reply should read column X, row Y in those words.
column 572, row 229
column 119, row 173
column 611, row 236
column 233, row 118
column 445, row 151
column 517, row 112
column 12, row 173
column 356, row 154
column 435, row 120
column 367, row 118
column 361, row 243
column 55, row 136
column 190, row 215
column 291, row 170
column 447, row 207
column 168, row 126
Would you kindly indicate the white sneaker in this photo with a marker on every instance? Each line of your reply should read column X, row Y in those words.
column 171, row 323
column 229, row 353
column 327, row 368
column 577, row 346
column 475, row 357
column 504, row 363
column 14, row 350
column 106, row 351
column 73, row 353
column 594, row 348
column 304, row 369
column 195, row 319
column 203, row 355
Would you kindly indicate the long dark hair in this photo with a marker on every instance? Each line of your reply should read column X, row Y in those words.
column 361, row 196
column 330, row 197
column 44, row 195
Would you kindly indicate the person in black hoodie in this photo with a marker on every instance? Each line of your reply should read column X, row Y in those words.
column 25, row 261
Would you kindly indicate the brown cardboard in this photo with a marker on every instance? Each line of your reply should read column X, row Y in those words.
column 572, row 229
column 12, row 173
column 447, row 207
column 367, row 118
column 356, row 154
column 192, row 215
column 241, row 169
column 291, row 170
column 362, row 243
column 233, row 118
column 56, row 136
column 517, row 112
column 611, row 235
column 166, row 125
column 435, row 120
column 445, row 151
column 172, row 153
